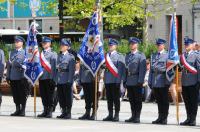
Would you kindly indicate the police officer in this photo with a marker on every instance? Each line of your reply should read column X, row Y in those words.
column 112, row 82
column 136, row 69
column 65, row 74
column 2, row 65
column 15, row 77
column 190, row 82
column 47, row 80
column 158, row 81
column 87, row 82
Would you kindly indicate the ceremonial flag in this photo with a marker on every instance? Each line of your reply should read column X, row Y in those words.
column 91, row 52
column 173, row 58
column 32, row 65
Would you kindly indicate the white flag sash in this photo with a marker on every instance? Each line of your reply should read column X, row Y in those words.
column 111, row 67
column 45, row 63
column 190, row 68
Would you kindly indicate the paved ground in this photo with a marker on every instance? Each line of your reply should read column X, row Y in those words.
column 31, row 124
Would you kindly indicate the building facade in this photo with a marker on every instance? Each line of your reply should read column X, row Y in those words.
column 188, row 22
column 18, row 16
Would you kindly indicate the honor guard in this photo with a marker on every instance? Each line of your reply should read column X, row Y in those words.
column 136, row 68
column 65, row 77
column 2, row 66
column 47, row 80
column 88, row 83
column 113, row 76
column 158, row 81
column 190, row 62
column 15, row 77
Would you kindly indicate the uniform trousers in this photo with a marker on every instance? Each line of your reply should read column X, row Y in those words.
column 47, row 88
column 65, row 95
column 161, row 96
column 113, row 96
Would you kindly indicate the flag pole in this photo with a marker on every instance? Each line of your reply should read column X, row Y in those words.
column 35, row 91
column 177, row 96
column 96, row 95
column 97, row 8
column 177, row 74
column 34, row 87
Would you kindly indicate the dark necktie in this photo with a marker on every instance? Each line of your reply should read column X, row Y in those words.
column 186, row 55
column 158, row 55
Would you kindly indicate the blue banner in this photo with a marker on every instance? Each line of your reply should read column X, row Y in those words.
column 32, row 65
column 173, row 57
column 91, row 52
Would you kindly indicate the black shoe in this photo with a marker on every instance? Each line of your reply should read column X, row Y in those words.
column 67, row 116
column 92, row 117
column 163, row 122
column 22, row 110
column 186, row 122
column 157, row 121
column 116, row 117
column 16, row 113
column 192, row 123
column 192, row 120
column 44, row 113
column 49, row 112
column 86, row 116
column 137, row 117
column 131, row 119
column 109, row 117
column 63, row 114
column 136, row 120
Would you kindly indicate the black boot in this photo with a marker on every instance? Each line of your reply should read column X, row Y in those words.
column 86, row 116
column 64, row 113
column 68, row 114
column 137, row 117
column 16, row 113
column 109, row 117
column 158, row 120
column 22, row 110
column 131, row 119
column 186, row 122
column 116, row 116
column 192, row 120
column 92, row 117
column 44, row 113
column 164, row 119
column 49, row 112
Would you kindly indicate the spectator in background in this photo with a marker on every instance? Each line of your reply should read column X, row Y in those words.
column 147, row 89
column 101, row 84
column 2, row 65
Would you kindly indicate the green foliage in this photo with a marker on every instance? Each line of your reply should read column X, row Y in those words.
column 6, row 48
column 117, row 13
column 123, row 47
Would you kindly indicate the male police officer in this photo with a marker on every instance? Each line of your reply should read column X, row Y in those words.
column 87, row 81
column 2, row 65
column 136, row 68
column 15, row 76
column 65, row 74
column 158, row 81
column 47, row 80
column 190, row 81
column 113, row 76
